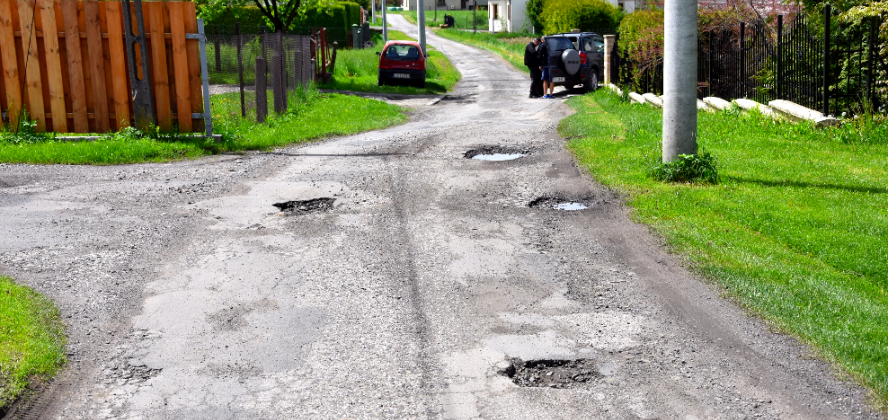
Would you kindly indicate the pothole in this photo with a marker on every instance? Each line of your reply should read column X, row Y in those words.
column 460, row 99
column 495, row 153
column 548, row 373
column 556, row 203
column 306, row 206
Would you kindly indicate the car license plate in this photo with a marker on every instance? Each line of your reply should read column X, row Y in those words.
column 401, row 76
column 558, row 79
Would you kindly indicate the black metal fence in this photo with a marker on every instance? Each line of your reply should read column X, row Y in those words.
column 828, row 68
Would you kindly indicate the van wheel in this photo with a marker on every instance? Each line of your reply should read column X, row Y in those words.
column 379, row 82
column 592, row 84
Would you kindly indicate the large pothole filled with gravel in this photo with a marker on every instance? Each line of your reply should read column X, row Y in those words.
column 306, row 206
column 495, row 153
column 557, row 203
column 550, row 373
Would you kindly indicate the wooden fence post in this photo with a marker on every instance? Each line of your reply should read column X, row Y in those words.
column 33, row 85
column 277, row 84
column 10, row 68
column 261, row 93
column 54, row 67
column 240, row 67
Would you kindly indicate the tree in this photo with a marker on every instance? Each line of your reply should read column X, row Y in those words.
column 280, row 13
column 534, row 10
column 586, row 15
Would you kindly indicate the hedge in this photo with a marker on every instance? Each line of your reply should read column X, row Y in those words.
column 586, row 15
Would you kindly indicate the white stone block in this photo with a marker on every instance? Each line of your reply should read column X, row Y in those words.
column 701, row 106
column 717, row 103
column 749, row 105
column 799, row 112
column 636, row 98
column 653, row 100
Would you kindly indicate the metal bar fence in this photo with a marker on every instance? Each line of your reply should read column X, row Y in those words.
column 833, row 69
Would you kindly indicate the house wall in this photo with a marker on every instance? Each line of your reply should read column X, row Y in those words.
column 518, row 21
column 629, row 5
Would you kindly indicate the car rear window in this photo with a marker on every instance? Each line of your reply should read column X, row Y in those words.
column 560, row 44
column 402, row 52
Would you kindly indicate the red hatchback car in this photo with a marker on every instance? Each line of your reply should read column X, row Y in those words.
column 402, row 62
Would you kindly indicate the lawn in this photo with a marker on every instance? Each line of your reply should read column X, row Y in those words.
column 32, row 340
column 795, row 231
column 462, row 19
column 357, row 70
column 509, row 46
column 311, row 115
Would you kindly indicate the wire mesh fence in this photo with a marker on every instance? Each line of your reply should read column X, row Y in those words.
column 261, row 69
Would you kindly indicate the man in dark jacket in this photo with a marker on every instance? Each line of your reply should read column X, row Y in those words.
column 543, row 56
column 532, row 61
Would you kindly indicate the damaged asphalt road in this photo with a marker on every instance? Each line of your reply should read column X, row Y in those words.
column 388, row 275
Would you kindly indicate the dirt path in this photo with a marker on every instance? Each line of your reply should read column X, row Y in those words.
column 408, row 293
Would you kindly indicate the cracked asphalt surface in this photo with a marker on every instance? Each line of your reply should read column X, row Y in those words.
column 188, row 295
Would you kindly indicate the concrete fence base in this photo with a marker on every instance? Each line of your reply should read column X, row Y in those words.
column 797, row 112
column 749, row 105
column 653, row 100
column 636, row 98
column 777, row 109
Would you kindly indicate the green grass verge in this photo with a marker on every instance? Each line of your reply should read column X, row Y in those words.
column 509, row 46
column 795, row 231
column 32, row 340
column 311, row 116
column 462, row 19
column 357, row 70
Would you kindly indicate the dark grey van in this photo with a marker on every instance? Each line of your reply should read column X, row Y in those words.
column 576, row 59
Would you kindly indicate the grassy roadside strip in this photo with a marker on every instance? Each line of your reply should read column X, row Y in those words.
column 461, row 18
column 32, row 340
column 357, row 70
column 795, row 231
column 311, row 116
column 509, row 46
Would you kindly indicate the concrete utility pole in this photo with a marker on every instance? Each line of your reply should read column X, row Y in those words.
column 420, row 16
column 680, row 79
column 385, row 34
column 373, row 12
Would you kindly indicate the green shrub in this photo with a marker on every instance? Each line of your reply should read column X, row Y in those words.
column 700, row 167
column 249, row 17
column 586, row 15
column 534, row 10
column 330, row 15
column 24, row 133
column 640, row 26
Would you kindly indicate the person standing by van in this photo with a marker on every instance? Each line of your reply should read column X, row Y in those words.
column 543, row 54
column 532, row 61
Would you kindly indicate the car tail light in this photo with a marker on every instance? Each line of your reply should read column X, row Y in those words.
column 582, row 58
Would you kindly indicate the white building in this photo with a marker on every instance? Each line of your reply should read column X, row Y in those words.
column 507, row 16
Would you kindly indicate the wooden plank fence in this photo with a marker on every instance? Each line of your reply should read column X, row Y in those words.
column 65, row 62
